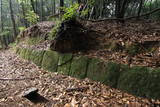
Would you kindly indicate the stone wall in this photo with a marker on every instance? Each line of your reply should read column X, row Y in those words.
column 140, row 81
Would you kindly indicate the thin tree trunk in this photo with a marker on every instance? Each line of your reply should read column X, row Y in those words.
column 53, row 7
column 24, row 15
column 12, row 18
column 61, row 5
column 33, row 7
column 2, row 16
column 41, row 10
column 140, row 8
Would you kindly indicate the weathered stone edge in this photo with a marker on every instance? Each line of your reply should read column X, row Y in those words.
column 140, row 81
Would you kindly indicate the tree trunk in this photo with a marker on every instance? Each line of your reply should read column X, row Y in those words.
column 61, row 5
column 140, row 8
column 53, row 7
column 41, row 10
column 12, row 18
column 79, row 1
column 33, row 7
column 2, row 15
column 24, row 15
column 120, row 8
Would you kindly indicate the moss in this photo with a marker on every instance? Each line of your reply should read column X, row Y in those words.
column 113, row 73
column 17, row 50
column 79, row 67
column 28, row 54
column 141, row 81
column 64, row 63
column 97, row 70
column 36, row 57
column 50, row 61
column 132, row 49
column 115, row 46
column 34, row 40
column 22, row 52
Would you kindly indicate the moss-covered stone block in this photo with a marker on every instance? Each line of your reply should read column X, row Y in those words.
column 28, row 54
column 37, row 57
column 141, row 81
column 22, row 52
column 133, row 49
column 50, row 61
column 17, row 50
column 97, row 70
column 113, row 71
column 64, row 63
column 79, row 67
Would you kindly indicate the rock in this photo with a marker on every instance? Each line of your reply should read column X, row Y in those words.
column 30, row 92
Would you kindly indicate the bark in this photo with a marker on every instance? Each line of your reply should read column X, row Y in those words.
column 2, row 15
column 61, row 5
column 33, row 7
column 53, row 7
column 120, row 8
column 79, row 1
column 12, row 18
column 42, row 10
column 24, row 14
column 140, row 8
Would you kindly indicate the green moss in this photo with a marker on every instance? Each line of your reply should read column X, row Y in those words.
column 28, row 54
column 133, row 49
column 97, row 70
column 17, row 50
column 112, row 75
column 22, row 52
column 79, row 67
column 115, row 46
column 50, row 61
column 64, row 63
column 34, row 40
column 141, row 81
column 36, row 57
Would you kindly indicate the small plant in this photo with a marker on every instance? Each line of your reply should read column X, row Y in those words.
column 70, row 12
column 21, row 29
column 32, row 17
column 54, row 31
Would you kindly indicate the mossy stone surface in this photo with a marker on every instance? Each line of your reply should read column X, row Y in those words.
column 22, row 52
column 79, row 67
column 34, row 40
column 64, row 63
column 141, row 81
column 50, row 61
column 37, row 57
column 113, row 71
column 97, row 70
column 28, row 54
column 17, row 50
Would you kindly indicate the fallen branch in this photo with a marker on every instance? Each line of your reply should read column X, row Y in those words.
column 66, row 62
column 81, row 89
column 122, row 19
column 16, row 79
column 146, row 14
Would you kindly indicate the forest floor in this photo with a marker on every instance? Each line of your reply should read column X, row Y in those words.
column 18, row 75
column 136, row 43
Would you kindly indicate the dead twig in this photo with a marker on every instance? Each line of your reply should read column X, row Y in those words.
column 81, row 89
column 122, row 19
column 17, row 79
